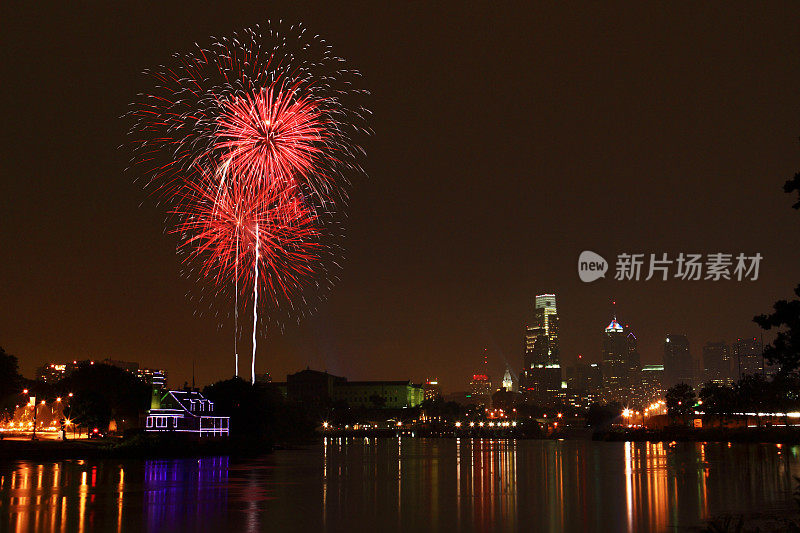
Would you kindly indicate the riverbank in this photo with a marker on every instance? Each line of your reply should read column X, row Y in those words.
column 777, row 435
column 139, row 446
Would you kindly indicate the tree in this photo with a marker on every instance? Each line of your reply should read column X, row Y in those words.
column 718, row 399
column 680, row 400
column 752, row 394
column 259, row 413
column 446, row 411
column 10, row 382
column 102, row 392
column 792, row 185
column 785, row 349
column 783, row 395
column 90, row 409
column 602, row 415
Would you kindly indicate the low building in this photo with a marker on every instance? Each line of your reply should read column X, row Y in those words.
column 319, row 387
column 379, row 394
column 311, row 386
column 185, row 411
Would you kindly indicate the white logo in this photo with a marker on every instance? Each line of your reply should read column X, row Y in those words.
column 591, row 266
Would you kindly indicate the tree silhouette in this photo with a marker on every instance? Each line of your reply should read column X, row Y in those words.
column 102, row 392
column 718, row 399
column 793, row 185
column 785, row 350
column 10, row 382
column 680, row 400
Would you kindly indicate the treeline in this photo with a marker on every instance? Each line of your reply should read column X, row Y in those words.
column 755, row 393
column 92, row 395
column 751, row 394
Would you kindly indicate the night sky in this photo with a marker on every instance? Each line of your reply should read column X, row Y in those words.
column 506, row 142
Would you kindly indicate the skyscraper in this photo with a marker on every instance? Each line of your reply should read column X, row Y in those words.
column 615, row 363
column 480, row 386
column 652, row 379
column 677, row 361
column 747, row 356
column 717, row 363
column 584, row 383
column 542, row 370
column 634, row 364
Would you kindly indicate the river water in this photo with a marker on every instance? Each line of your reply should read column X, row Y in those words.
column 409, row 485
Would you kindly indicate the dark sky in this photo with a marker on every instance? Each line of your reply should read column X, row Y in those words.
column 507, row 140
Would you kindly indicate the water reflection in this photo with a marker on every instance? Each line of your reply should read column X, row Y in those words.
column 185, row 493
column 405, row 484
column 550, row 485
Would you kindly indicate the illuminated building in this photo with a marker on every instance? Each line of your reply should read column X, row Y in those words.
column 432, row 389
column 508, row 381
column 652, row 380
column 717, row 363
column 379, row 394
column 187, row 412
column 153, row 377
column 542, row 370
column 583, row 384
column 747, row 356
column 615, row 365
column 677, row 361
column 480, row 385
column 53, row 372
column 634, row 365
column 312, row 386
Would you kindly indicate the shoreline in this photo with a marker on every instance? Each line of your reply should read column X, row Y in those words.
column 763, row 435
column 139, row 447
column 172, row 446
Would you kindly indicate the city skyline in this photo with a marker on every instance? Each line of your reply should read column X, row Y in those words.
column 696, row 367
column 449, row 241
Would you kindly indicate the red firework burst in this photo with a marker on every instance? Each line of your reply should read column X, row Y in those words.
column 253, row 141
column 274, row 135
column 226, row 228
column 277, row 105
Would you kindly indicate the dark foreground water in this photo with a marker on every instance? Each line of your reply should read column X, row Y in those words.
column 408, row 485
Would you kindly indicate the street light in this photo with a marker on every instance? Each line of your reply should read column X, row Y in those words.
column 36, row 411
